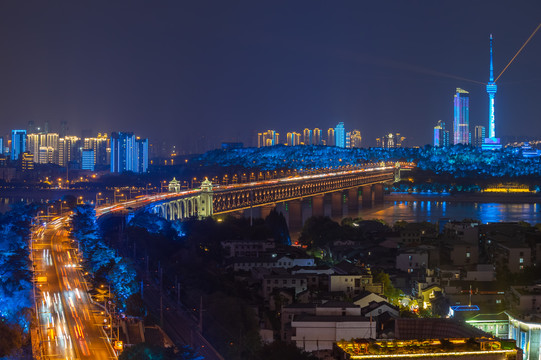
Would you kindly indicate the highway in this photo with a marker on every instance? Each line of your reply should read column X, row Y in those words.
column 69, row 323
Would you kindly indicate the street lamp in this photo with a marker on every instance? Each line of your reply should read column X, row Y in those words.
column 97, row 199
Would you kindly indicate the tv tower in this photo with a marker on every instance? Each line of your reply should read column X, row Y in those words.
column 491, row 142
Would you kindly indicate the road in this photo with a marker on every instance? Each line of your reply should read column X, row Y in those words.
column 70, row 324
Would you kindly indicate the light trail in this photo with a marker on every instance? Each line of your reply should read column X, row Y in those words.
column 519, row 50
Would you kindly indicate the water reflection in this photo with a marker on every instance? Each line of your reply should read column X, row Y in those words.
column 432, row 211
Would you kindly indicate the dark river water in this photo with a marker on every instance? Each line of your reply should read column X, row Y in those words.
column 427, row 208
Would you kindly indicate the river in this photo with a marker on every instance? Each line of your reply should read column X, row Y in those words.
column 487, row 209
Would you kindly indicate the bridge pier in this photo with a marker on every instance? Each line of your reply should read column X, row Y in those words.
column 336, row 204
column 378, row 193
column 265, row 210
column 353, row 201
column 317, row 205
column 366, row 192
column 295, row 214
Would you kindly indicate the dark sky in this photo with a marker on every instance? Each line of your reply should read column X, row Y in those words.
column 180, row 70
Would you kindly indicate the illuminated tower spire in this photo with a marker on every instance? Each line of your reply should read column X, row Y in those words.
column 491, row 90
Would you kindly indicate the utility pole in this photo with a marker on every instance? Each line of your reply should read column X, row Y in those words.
column 200, row 325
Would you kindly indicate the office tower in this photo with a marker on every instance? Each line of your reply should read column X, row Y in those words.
column 1, row 145
column 46, row 127
column 87, row 162
column 293, row 139
column 461, row 117
column 141, row 155
column 355, row 139
column 479, row 135
column 268, row 138
column 348, row 139
column 18, row 143
column 331, row 140
column 340, row 135
column 441, row 135
column 128, row 153
column 316, row 136
column 307, row 137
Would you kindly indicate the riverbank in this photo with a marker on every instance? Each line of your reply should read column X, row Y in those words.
column 501, row 198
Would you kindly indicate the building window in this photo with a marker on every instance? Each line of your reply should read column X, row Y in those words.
column 468, row 255
column 521, row 260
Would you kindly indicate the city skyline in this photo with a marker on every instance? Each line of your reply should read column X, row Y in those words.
column 196, row 75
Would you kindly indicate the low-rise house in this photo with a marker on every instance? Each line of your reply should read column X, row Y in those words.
column 246, row 248
column 312, row 333
column 526, row 299
column 514, row 256
column 375, row 309
column 283, row 281
column 366, row 297
column 411, row 260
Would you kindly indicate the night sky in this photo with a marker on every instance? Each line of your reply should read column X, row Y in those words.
column 180, row 70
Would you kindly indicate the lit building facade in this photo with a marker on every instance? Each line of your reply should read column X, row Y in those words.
column 461, row 129
column 316, row 137
column 293, row 139
column 268, row 138
column 479, row 135
column 87, row 162
column 18, row 143
column 340, row 135
column 390, row 141
column 331, row 140
column 128, row 153
column 101, row 146
column 355, row 139
column 441, row 135
column 307, row 137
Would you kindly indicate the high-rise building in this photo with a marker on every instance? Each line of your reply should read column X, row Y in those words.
column 293, row 139
column 340, row 135
column 307, row 137
column 45, row 155
column 27, row 161
column 141, row 155
column 18, row 143
column 355, row 139
column 268, row 138
column 479, row 135
column 1, row 145
column 331, row 140
column 390, row 141
column 316, row 136
column 87, row 162
column 461, row 117
column 101, row 146
column 69, row 150
column 128, row 153
column 441, row 135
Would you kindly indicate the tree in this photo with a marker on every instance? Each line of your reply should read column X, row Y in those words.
column 392, row 293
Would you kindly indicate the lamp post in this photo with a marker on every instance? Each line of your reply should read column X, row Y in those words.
column 97, row 199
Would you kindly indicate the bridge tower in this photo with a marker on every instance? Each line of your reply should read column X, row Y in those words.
column 205, row 208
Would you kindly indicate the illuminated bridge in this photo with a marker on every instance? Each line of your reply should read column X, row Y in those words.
column 351, row 187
